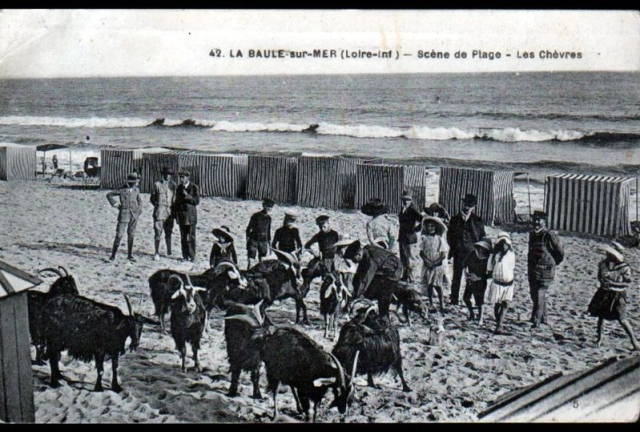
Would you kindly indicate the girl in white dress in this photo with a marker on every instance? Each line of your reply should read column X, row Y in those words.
column 501, row 286
column 433, row 251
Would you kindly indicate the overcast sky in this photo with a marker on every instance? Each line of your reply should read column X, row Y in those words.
column 65, row 43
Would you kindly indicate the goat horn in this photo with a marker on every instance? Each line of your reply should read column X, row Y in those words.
column 126, row 297
column 175, row 276
column 342, row 379
column 371, row 308
column 256, row 312
column 246, row 318
column 139, row 308
column 355, row 365
column 51, row 269
column 66, row 273
column 188, row 280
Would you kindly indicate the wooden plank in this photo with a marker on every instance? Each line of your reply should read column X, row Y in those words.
column 10, row 360
column 3, row 389
column 25, row 377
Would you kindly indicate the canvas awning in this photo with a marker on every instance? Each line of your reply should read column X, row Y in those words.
column 48, row 147
column 14, row 280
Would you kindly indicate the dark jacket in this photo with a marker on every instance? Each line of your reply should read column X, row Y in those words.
column 376, row 261
column 185, row 204
column 455, row 235
column 545, row 253
column 410, row 221
column 287, row 239
column 326, row 243
column 259, row 228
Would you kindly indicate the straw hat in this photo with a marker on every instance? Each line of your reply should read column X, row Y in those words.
column 614, row 249
column 375, row 207
column 440, row 226
column 223, row 233
column 484, row 244
column 344, row 240
column 504, row 237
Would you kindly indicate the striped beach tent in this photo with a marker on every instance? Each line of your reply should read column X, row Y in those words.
column 17, row 162
column 272, row 177
column 222, row 175
column 117, row 163
column 387, row 182
column 588, row 203
column 152, row 164
column 609, row 392
column 494, row 190
column 327, row 182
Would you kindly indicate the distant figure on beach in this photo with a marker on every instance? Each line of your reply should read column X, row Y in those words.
column 43, row 163
column 162, row 198
column 130, row 207
column 436, row 210
column 54, row 162
column 476, row 266
column 410, row 225
column 378, row 228
column 434, row 252
column 437, row 99
column 287, row 237
column 223, row 248
column 186, row 212
column 545, row 253
column 465, row 230
column 610, row 301
column 501, row 285
column 326, row 238
column 259, row 233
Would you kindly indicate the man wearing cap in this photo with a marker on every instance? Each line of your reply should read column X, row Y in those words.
column 545, row 253
column 326, row 238
column 130, row 207
column 259, row 233
column 465, row 230
column 410, row 223
column 287, row 237
column 186, row 200
column 162, row 198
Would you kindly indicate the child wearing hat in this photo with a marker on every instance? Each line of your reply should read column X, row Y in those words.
column 287, row 237
column 610, row 301
column 223, row 248
column 476, row 265
column 501, row 286
column 434, row 251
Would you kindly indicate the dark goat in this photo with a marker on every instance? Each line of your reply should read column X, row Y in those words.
column 333, row 298
column 162, row 289
column 410, row 301
column 243, row 340
column 377, row 341
column 36, row 301
column 188, row 319
column 272, row 280
column 89, row 331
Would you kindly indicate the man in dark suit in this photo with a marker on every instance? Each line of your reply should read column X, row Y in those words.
column 465, row 230
column 410, row 223
column 186, row 200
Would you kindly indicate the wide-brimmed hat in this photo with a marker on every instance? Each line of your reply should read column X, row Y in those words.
column 321, row 219
column 344, row 240
column 268, row 202
column 539, row 214
column 504, row 237
column 484, row 244
column 440, row 226
column 168, row 170
column 470, row 199
column 406, row 196
column 133, row 177
column 184, row 173
column 375, row 207
column 614, row 249
column 223, row 233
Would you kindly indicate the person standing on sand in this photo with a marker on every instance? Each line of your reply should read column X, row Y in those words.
column 434, row 251
column 162, row 198
column 326, row 238
column 610, row 301
column 54, row 162
column 545, row 253
column 410, row 224
column 501, row 286
column 222, row 248
column 476, row 265
column 465, row 230
column 379, row 230
column 259, row 233
column 187, row 198
column 130, row 207
column 287, row 237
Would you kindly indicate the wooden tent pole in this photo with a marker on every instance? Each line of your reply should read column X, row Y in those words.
column 636, row 199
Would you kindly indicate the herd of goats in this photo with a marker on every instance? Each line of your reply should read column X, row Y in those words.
column 368, row 343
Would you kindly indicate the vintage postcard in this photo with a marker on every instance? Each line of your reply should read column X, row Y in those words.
column 362, row 216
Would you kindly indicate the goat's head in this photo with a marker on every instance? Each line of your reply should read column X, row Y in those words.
column 363, row 307
column 342, row 384
column 65, row 284
column 411, row 302
column 292, row 264
column 333, row 284
column 186, row 293
column 254, row 318
column 232, row 273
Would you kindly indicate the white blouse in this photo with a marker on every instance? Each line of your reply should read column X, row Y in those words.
column 503, row 270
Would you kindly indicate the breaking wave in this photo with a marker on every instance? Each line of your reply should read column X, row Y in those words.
column 510, row 134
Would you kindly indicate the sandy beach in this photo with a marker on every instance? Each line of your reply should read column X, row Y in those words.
column 47, row 225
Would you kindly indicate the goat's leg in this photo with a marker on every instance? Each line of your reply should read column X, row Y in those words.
column 305, row 320
column 407, row 314
column 326, row 325
column 316, row 406
column 297, row 399
column 54, row 358
column 99, row 358
column 114, row 375
column 40, row 354
column 398, row 368
column 305, row 407
column 275, row 396
column 183, row 356
column 196, row 360
column 255, row 379
column 235, row 377
column 370, row 382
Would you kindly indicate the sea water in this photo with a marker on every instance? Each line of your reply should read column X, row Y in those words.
column 564, row 121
